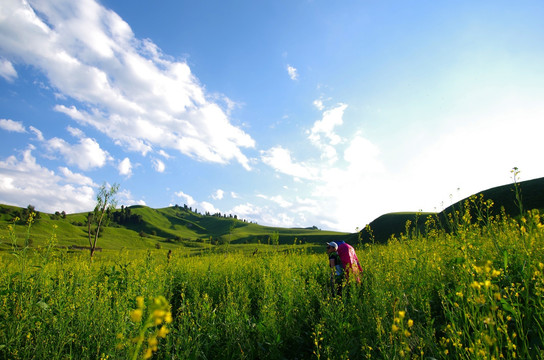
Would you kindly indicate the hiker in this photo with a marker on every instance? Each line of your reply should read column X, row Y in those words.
column 350, row 262
column 337, row 272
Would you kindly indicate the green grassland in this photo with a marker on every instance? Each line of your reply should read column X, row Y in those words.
column 165, row 228
column 472, row 288
column 176, row 226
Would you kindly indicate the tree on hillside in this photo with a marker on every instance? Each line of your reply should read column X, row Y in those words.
column 105, row 202
column 28, row 211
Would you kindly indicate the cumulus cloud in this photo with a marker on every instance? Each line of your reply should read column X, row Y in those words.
column 363, row 156
column 125, row 167
column 278, row 199
column 202, row 206
column 189, row 201
column 38, row 133
column 218, row 195
column 280, row 159
column 319, row 104
column 158, row 165
column 23, row 181
column 255, row 213
column 164, row 154
column 246, row 210
column 125, row 197
column 292, row 71
column 12, row 126
column 109, row 79
column 7, row 71
column 208, row 207
column 86, row 155
column 326, row 183
column 75, row 132
column 323, row 130
column 76, row 178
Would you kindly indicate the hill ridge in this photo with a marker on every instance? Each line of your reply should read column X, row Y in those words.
column 175, row 226
column 503, row 196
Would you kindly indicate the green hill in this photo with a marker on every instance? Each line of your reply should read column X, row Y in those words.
column 141, row 227
column 504, row 197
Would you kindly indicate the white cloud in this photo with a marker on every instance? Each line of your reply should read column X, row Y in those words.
column 125, row 167
column 12, row 126
column 75, row 132
column 208, row 207
column 164, row 154
column 278, row 219
column 415, row 172
column 38, row 133
column 189, row 201
column 363, row 156
column 262, row 215
column 331, row 192
column 293, row 74
column 23, row 181
column 92, row 59
column 125, row 197
column 248, row 211
column 324, row 129
column 158, row 165
column 494, row 140
column 278, row 199
column 7, row 71
column 218, row 195
column 76, row 178
column 319, row 104
column 202, row 207
column 86, row 155
column 234, row 195
column 280, row 159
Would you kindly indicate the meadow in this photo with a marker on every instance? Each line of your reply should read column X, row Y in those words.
column 473, row 289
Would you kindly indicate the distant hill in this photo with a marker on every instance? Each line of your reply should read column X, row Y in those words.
column 532, row 194
column 140, row 227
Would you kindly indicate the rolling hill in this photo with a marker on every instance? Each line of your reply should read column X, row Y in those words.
column 141, row 227
column 504, row 197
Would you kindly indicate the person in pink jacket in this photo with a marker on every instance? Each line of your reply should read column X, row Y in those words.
column 349, row 259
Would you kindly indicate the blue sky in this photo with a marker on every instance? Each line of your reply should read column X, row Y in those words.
column 286, row 113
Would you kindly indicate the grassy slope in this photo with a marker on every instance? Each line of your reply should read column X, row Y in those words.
column 532, row 193
column 175, row 227
column 169, row 228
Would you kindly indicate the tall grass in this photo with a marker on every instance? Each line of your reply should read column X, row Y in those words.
column 475, row 291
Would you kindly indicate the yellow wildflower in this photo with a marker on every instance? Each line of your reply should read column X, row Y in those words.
column 163, row 331
column 136, row 315
column 148, row 353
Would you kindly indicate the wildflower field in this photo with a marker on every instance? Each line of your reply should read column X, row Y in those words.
column 474, row 290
